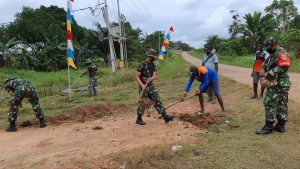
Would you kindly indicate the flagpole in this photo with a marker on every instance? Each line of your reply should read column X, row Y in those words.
column 70, row 90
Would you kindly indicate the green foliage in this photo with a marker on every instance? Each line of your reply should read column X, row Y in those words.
column 284, row 11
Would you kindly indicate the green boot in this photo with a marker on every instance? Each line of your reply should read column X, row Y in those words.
column 267, row 129
column 12, row 127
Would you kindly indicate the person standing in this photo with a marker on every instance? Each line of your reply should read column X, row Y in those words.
column 92, row 71
column 260, row 57
column 207, row 77
column 275, row 72
column 146, row 73
column 210, row 59
column 19, row 89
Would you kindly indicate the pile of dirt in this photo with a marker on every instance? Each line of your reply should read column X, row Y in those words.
column 82, row 114
column 201, row 121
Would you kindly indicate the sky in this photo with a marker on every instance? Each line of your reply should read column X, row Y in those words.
column 193, row 20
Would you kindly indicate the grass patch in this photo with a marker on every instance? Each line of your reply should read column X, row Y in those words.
column 118, row 88
column 236, row 147
column 245, row 60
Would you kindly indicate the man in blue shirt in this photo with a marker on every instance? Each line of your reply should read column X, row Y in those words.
column 206, row 76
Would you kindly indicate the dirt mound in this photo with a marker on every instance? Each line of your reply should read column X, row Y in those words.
column 90, row 112
column 81, row 114
column 201, row 121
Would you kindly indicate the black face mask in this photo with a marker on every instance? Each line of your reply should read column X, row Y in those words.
column 207, row 53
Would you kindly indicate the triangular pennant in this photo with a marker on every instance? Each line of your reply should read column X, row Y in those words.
column 70, row 45
column 171, row 29
column 163, row 49
column 71, row 54
column 165, row 45
column 69, row 16
column 168, row 36
column 162, row 53
column 161, row 58
column 69, row 25
column 71, row 63
column 69, row 35
column 166, row 41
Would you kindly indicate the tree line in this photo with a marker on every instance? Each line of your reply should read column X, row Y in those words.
column 36, row 40
column 280, row 19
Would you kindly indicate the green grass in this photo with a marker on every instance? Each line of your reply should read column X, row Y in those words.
column 245, row 60
column 235, row 148
column 118, row 88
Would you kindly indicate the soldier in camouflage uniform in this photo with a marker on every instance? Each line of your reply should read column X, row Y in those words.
column 146, row 73
column 92, row 71
column 18, row 90
column 275, row 71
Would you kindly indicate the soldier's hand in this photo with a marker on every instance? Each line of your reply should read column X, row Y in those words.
column 262, row 73
column 198, row 92
column 143, row 87
column 149, row 80
column 11, row 93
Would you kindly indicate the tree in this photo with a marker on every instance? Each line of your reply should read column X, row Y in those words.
column 256, row 27
column 235, row 27
column 284, row 11
column 154, row 40
column 296, row 22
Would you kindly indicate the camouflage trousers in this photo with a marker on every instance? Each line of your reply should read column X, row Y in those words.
column 16, row 102
column 92, row 86
column 276, row 104
column 153, row 95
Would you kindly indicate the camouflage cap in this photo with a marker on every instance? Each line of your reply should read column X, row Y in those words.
column 271, row 41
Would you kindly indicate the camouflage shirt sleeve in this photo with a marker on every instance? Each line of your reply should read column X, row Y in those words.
column 155, row 67
column 140, row 68
column 8, row 86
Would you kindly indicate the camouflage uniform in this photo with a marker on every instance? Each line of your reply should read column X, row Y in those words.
column 92, row 71
column 276, row 100
column 146, row 70
column 22, row 89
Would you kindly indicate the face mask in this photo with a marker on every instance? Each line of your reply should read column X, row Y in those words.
column 207, row 53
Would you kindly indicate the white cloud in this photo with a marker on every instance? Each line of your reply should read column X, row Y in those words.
column 193, row 20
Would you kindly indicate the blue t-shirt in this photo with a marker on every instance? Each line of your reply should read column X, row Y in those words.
column 205, row 78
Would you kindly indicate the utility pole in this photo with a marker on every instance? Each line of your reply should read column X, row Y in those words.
column 121, row 34
column 110, row 38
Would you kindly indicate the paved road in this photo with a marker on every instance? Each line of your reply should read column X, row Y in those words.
column 242, row 75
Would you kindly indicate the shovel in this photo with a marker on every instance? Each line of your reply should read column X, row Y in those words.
column 173, row 104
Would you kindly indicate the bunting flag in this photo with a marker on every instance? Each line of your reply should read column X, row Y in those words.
column 70, row 50
column 165, row 44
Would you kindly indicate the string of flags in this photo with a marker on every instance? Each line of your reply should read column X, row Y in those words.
column 165, row 44
column 70, row 49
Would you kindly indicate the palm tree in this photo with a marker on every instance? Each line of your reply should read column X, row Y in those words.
column 256, row 27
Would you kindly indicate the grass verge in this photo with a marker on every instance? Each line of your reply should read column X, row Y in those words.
column 245, row 60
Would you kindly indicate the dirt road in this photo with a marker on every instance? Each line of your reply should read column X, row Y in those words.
column 242, row 75
column 79, row 145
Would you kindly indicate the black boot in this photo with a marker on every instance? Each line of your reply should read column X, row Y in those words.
column 280, row 126
column 167, row 118
column 139, row 120
column 267, row 129
column 12, row 127
column 42, row 123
